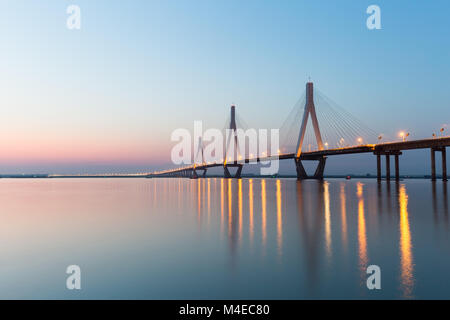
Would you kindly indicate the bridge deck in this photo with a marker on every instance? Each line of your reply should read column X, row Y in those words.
column 315, row 155
column 413, row 144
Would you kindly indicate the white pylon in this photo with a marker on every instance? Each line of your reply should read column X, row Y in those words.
column 232, row 136
column 309, row 109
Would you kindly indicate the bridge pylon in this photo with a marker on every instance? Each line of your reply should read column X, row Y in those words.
column 232, row 136
column 203, row 162
column 310, row 109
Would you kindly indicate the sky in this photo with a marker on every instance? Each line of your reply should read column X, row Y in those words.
column 106, row 98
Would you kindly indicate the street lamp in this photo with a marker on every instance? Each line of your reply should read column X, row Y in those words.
column 360, row 140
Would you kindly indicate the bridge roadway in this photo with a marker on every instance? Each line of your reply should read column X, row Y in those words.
column 387, row 149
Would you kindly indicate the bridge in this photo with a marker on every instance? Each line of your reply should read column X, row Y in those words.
column 342, row 125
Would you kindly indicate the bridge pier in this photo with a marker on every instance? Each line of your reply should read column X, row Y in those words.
column 387, row 154
column 203, row 174
column 388, row 168
column 433, row 163
column 301, row 172
column 397, row 168
column 444, row 164
column 378, row 167
column 318, row 174
column 320, row 168
column 227, row 173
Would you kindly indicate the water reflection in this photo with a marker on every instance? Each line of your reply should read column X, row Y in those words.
column 221, row 206
column 250, row 208
column 314, row 201
column 230, row 208
column 343, row 215
column 406, row 258
column 327, row 218
column 240, row 209
column 310, row 223
column 440, row 220
column 279, row 219
column 445, row 197
column 263, row 211
column 199, row 198
column 237, row 234
column 362, row 238
column 209, row 199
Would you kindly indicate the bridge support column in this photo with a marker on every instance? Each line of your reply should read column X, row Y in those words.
column 320, row 169
column 227, row 174
column 318, row 174
column 194, row 174
column 378, row 167
column 203, row 174
column 388, row 168
column 387, row 154
column 433, row 165
column 397, row 168
column 444, row 164
column 301, row 172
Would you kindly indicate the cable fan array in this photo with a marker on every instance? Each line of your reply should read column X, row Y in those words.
column 338, row 128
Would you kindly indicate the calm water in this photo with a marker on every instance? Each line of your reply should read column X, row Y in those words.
column 217, row 238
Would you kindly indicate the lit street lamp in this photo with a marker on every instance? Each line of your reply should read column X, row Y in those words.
column 403, row 135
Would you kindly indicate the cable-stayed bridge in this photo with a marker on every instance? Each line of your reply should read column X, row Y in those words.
column 313, row 134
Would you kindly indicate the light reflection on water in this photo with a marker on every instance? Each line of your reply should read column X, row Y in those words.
column 223, row 238
column 406, row 259
column 363, row 256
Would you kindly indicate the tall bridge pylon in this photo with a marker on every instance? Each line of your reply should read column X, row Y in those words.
column 231, row 147
column 310, row 109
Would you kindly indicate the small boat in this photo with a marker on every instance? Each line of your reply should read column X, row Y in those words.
column 348, row 177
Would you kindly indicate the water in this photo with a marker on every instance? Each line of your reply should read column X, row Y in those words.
column 223, row 239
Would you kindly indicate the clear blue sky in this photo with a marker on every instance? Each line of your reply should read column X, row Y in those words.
column 108, row 96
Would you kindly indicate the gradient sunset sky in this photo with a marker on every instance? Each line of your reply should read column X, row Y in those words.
column 107, row 97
